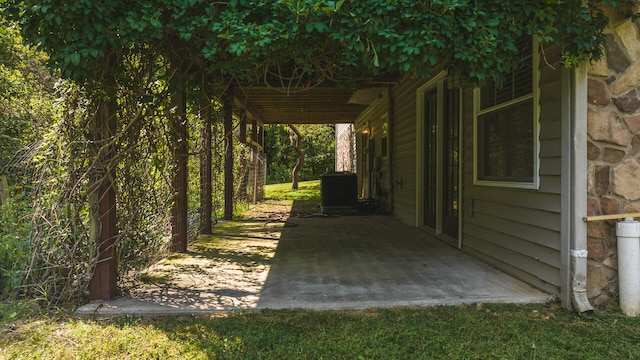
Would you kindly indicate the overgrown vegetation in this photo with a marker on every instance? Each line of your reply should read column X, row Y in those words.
column 48, row 154
column 447, row 332
column 27, row 109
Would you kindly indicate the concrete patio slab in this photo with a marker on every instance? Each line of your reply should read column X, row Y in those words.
column 349, row 262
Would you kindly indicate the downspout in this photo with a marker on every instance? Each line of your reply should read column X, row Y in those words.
column 578, row 191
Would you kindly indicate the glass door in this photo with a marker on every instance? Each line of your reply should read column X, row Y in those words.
column 441, row 160
column 430, row 159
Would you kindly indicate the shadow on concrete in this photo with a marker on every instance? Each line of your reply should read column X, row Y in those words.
column 276, row 259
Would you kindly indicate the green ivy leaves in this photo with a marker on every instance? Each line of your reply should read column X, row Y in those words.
column 475, row 38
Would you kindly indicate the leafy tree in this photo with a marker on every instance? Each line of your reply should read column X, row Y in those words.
column 318, row 145
column 27, row 96
column 27, row 111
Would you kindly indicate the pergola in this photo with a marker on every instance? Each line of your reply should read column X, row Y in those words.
column 254, row 106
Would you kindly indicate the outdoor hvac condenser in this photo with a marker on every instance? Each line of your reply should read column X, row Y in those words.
column 339, row 193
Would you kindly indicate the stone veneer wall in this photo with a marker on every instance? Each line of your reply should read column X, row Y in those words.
column 613, row 151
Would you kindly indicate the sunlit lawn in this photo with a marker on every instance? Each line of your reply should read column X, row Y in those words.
column 455, row 332
column 308, row 191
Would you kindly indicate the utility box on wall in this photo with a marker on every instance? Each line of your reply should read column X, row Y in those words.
column 339, row 193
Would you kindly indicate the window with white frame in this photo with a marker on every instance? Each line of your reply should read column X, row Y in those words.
column 506, row 126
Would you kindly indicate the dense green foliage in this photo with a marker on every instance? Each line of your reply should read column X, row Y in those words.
column 324, row 40
column 27, row 109
column 27, row 96
column 318, row 145
column 49, row 158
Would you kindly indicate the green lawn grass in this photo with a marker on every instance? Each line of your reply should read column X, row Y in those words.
column 308, row 191
column 451, row 332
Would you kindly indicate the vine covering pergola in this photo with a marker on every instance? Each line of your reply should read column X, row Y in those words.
column 247, row 54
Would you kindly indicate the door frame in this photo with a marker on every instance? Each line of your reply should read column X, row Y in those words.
column 438, row 83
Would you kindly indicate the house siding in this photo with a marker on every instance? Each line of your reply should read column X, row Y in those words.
column 404, row 141
column 518, row 230
column 515, row 230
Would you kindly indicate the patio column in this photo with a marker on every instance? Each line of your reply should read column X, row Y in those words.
column 255, row 153
column 228, row 154
column 180, row 154
column 104, row 230
column 206, row 192
column 243, row 128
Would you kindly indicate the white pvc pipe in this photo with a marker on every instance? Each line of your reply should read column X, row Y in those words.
column 628, row 233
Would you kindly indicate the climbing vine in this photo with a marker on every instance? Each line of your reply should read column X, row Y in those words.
column 119, row 52
column 319, row 40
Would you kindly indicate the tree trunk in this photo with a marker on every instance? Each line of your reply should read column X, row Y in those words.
column 297, row 146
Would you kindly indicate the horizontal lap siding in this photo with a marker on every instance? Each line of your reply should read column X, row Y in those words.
column 404, row 150
column 518, row 230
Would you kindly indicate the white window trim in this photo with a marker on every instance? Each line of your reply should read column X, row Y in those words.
column 535, row 184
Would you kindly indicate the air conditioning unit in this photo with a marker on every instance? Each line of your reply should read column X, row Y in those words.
column 339, row 193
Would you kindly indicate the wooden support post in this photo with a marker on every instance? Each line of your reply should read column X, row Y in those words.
column 243, row 129
column 104, row 281
column 257, row 142
column 180, row 153
column 254, row 131
column 255, row 162
column 260, row 174
column 228, row 154
column 261, row 136
column 206, row 192
column 4, row 189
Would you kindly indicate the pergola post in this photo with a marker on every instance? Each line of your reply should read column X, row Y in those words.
column 255, row 149
column 206, row 193
column 243, row 129
column 104, row 230
column 228, row 154
column 261, row 166
column 180, row 153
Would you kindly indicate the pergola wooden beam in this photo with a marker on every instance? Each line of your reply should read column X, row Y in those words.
column 320, row 105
